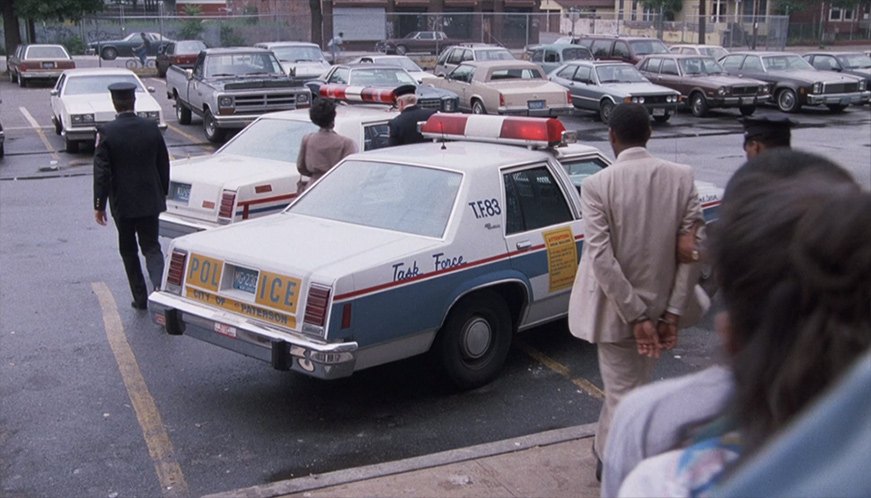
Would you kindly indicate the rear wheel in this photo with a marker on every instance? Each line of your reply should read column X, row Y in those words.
column 182, row 113
column 109, row 53
column 21, row 81
column 698, row 104
column 210, row 128
column 747, row 110
column 11, row 76
column 836, row 107
column 57, row 126
column 478, row 107
column 473, row 343
column 605, row 109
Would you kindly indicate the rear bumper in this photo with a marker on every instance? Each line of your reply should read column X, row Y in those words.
column 37, row 74
column 285, row 351
column 547, row 112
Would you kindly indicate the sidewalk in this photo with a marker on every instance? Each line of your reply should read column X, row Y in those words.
column 552, row 464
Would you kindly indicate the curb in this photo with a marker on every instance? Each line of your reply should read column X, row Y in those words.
column 340, row 477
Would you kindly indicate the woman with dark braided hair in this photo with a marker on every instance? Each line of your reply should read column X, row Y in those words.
column 792, row 251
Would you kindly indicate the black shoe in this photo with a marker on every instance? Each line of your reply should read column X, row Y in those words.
column 598, row 470
column 139, row 305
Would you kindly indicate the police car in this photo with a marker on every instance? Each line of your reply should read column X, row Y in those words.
column 254, row 174
column 443, row 247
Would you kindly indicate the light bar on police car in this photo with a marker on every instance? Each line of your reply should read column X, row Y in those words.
column 369, row 95
column 532, row 132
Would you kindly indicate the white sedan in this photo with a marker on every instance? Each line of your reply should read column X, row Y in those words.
column 255, row 174
column 81, row 102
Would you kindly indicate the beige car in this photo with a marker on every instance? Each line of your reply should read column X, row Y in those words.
column 505, row 87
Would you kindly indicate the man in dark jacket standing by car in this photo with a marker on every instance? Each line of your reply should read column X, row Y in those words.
column 403, row 128
column 131, row 169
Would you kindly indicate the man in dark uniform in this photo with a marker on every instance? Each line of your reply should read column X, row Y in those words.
column 131, row 168
column 762, row 134
column 403, row 128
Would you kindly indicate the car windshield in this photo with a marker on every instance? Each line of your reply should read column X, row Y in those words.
column 645, row 47
column 515, row 73
column 619, row 73
column 273, row 139
column 855, row 61
column 381, row 77
column 298, row 54
column 46, row 52
column 189, row 47
column 242, row 64
column 699, row 65
column 498, row 54
column 409, row 199
column 83, row 85
column 716, row 52
column 786, row 63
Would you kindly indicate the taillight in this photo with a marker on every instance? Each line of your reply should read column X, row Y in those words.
column 228, row 199
column 176, row 268
column 316, row 306
column 501, row 100
column 568, row 97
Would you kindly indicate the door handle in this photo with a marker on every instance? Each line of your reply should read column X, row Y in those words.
column 524, row 245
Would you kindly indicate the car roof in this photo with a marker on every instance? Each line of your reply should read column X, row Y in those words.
column 764, row 54
column 370, row 65
column 831, row 52
column 680, row 56
column 285, row 44
column 506, row 63
column 578, row 62
column 616, row 37
column 343, row 111
column 97, row 71
column 233, row 50
column 699, row 45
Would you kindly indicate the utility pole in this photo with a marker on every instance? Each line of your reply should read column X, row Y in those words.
column 703, row 13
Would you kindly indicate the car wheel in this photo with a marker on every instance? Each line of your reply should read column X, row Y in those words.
column 662, row 119
column 71, row 146
column 836, row 107
column 478, row 107
column 57, row 126
column 210, row 128
column 11, row 76
column 747, row 110
column 473, row 344
column 2, row 151
column 787, row 101
column 21, row 81
column 109, row 53
column 182, row 113
column 605, row 109
column 698, row 104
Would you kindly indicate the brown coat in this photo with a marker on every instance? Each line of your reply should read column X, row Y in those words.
column 322, row 150
column 633, row 211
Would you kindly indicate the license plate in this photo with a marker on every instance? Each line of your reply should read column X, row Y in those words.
column 245, row 280
column 180, row 192
column 536, row 105
column 659, row 112
column 48, row 65
column 227, row 330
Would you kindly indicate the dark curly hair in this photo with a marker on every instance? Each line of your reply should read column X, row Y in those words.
column 323, row 113
column 792, row 249
column 631, row 124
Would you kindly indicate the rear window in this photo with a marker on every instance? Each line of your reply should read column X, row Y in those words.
column 189, row 47
column 515, row 74
column 409, row 199
column 644, row 47
column 273, row 139
column 46, row 53
column 571, row 54
column 494, row 55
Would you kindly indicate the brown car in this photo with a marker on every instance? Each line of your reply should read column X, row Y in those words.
column 431, row 42
column 31, row 62
column 703, row 83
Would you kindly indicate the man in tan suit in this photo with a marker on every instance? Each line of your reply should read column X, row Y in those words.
column 630, row 291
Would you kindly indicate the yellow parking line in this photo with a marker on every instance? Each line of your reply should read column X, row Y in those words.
column 584, row 384
column 172, row 481
column 185, row 134
column 33, row 124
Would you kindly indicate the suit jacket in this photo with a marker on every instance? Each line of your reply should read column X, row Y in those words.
column 403, row 128
column 131, row 167
column 633, row 211
column 322, row 150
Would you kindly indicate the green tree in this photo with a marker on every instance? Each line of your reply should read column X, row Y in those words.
column 668, row 8
column 42, row 10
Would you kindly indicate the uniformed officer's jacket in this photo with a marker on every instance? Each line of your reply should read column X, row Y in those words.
column 131, row 168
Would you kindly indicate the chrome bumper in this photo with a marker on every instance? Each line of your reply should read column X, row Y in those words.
column 284, row 350
column 839, row 98
column 546, row 112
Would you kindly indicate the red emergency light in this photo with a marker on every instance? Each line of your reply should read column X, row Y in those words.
column 531, row 132
column 347, row 93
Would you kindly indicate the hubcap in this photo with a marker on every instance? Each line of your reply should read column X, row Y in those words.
column 476, row 339
column 786, row 100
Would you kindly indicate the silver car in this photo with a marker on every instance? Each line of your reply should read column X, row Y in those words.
column 600, row 85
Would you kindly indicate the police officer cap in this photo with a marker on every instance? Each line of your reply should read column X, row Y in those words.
column 123, row 90
column 404, row 90
column 754, row 127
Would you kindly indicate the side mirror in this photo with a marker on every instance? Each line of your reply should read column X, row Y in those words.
column 189, row 74
column 54, row 93
column 150, row 89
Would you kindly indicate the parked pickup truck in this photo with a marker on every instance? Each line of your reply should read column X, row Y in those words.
column 230, row 87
